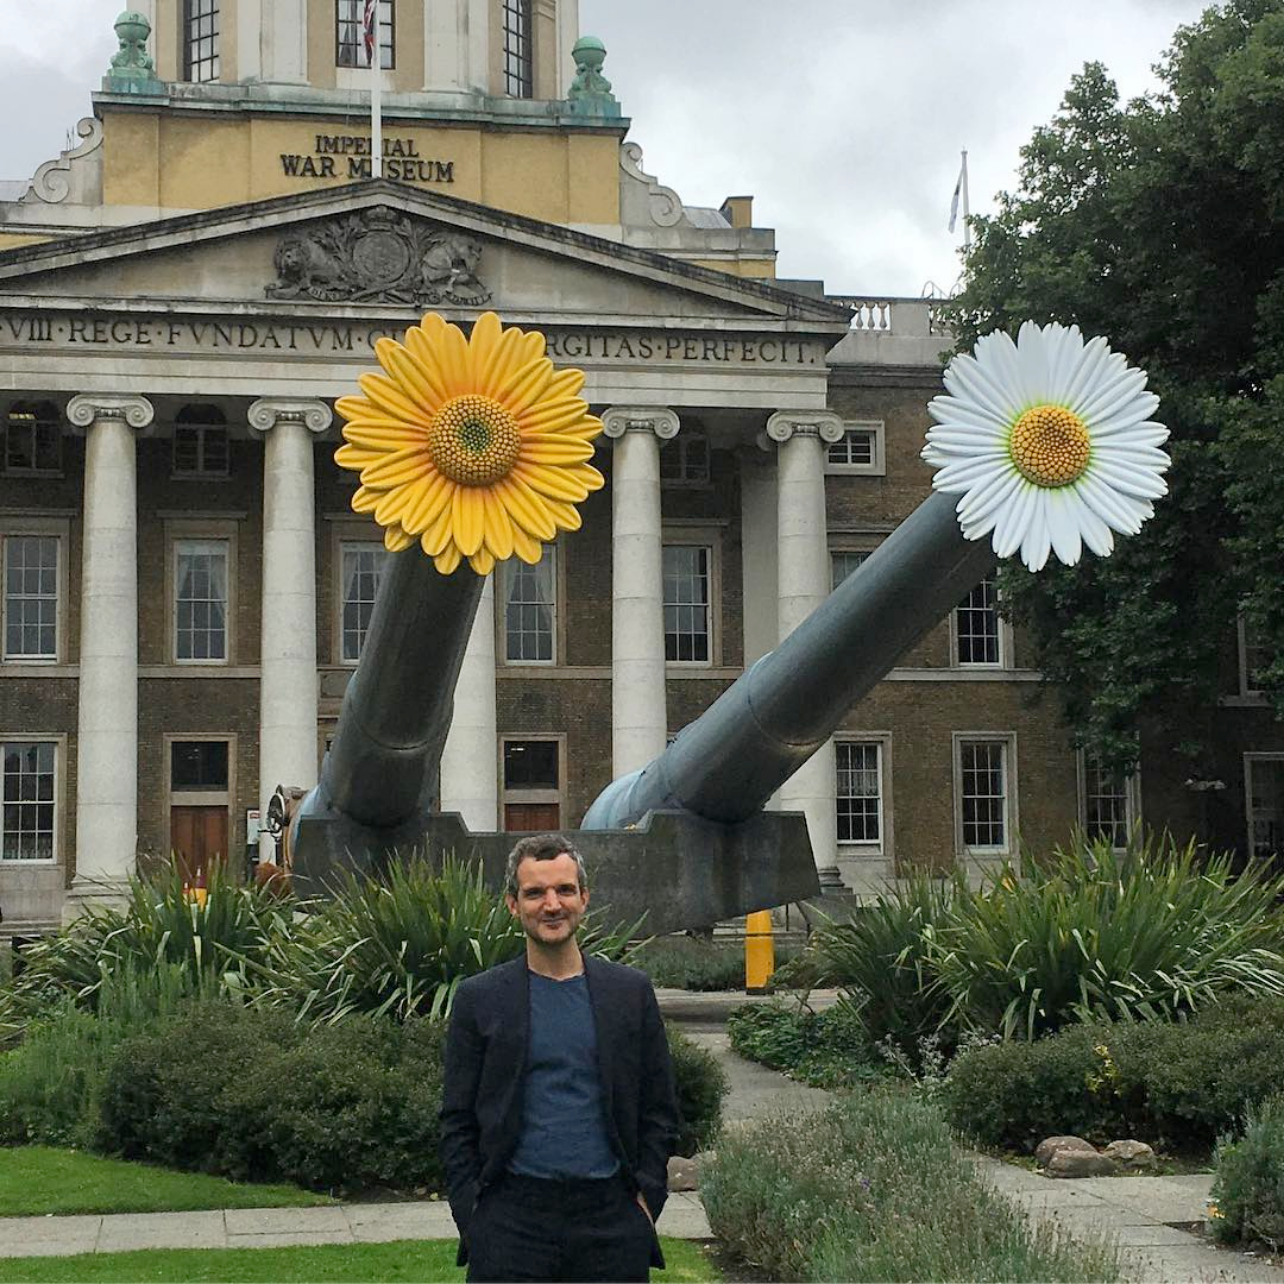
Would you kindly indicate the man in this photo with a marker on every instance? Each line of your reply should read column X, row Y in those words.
column 558, row 1108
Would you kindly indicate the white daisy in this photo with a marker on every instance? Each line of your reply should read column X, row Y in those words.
column 1050, row 443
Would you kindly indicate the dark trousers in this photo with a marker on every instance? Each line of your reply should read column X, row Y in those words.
column 525, row 1228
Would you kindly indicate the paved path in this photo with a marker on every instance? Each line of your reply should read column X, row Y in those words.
column 1145, row 1214
column 683, row 1218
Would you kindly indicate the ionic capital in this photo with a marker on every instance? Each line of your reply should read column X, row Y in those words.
column 267, row 412
column 785, row 424
column 659, row 420
column 88, row 408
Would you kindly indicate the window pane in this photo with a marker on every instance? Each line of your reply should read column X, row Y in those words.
column 30, row 597
column 529, row 610
column 1266, row 806
column 27, row 815
column 686, row 603
column 518, row 78
column 362, row 570
column 984, row 781
column 856, row 447
column 859, row 792
column 200, row 450
column 32, row 439
column 842, row 564
column 530, row 764
column 200, row 40
column 1256, row 657
column 977, row 625
column 198, row 764
column 1105, row 804
column 200, row 600
column 685, row 458
column 349, row 37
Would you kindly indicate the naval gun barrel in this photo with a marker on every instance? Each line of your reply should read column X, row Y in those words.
column 381, row 769
column 726, row 764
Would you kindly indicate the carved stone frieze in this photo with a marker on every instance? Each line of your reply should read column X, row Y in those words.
column 379, row 256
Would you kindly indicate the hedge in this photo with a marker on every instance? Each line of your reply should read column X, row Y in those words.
column 1179, row 1084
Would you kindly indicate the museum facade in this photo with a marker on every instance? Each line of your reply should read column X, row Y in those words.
column 185, row 293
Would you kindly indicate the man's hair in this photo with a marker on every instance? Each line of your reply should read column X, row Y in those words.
column 541, row 847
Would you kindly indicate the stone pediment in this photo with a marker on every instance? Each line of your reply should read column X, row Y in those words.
column 379, row 246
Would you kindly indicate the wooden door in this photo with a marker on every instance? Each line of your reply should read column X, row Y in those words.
column 197, row 837
column 536, row 816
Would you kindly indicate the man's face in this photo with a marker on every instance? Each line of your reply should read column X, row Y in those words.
column 549, row 902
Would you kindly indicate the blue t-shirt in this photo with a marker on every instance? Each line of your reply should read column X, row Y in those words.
column 564, row 1131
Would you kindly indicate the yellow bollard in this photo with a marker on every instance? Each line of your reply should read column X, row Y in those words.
column 760, row 952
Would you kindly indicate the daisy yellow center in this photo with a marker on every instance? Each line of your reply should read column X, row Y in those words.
column 474, row 440
column 1050, row 446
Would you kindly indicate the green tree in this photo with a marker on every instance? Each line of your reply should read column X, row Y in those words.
column 1160, row 223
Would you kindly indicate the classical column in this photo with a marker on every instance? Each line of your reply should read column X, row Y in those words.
column 288, row 638
column 470, row 758
column 107, row 722
column 638, row 722
column 803, row 580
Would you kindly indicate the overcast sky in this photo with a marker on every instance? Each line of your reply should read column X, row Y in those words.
column 842, row 118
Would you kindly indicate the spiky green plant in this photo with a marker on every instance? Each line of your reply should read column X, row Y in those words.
column 161, row 930
column 1091, row 933
column 399, row 945
column 881, row 961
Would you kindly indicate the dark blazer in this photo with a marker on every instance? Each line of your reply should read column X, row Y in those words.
column 486, row 1048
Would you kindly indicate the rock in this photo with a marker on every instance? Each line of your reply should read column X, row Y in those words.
column 1048, row 1147
column 1131, row 1156
column 1079, row 1163
column 684, row 1174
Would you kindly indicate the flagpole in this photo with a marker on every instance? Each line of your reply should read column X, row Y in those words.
column 376, row 103
column 967, row 229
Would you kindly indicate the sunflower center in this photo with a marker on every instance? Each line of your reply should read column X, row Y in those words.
column 473, row 440
column 1050, row 446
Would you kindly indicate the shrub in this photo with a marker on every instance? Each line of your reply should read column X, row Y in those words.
column 689, row 963
column 1091, row 934
column 399, row 945
column 1248, row 1190
column 51, row 1083
column 882, row 960
column 1179, row 1084
column 1015, row 1094
column 701, row 1086
column 827, row 1049
column 254, row 1095
column 201, row 948
column 840, row 1195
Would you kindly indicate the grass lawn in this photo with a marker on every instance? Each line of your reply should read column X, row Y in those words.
column 35, row 1180
column 401, row 1260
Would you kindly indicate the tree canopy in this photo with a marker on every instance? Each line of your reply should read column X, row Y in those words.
column 1160, row 223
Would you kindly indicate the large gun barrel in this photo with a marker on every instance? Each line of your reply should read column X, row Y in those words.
column 380, row 774
column 727, row 763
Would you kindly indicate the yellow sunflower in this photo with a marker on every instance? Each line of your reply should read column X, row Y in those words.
column 476, row 447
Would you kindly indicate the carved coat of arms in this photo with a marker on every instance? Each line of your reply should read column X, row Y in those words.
column 379, row 256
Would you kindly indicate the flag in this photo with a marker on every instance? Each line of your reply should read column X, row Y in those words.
column 954, row 203
column 370, row 30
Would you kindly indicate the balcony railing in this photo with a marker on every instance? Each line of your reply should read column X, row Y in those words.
column 904, row 317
